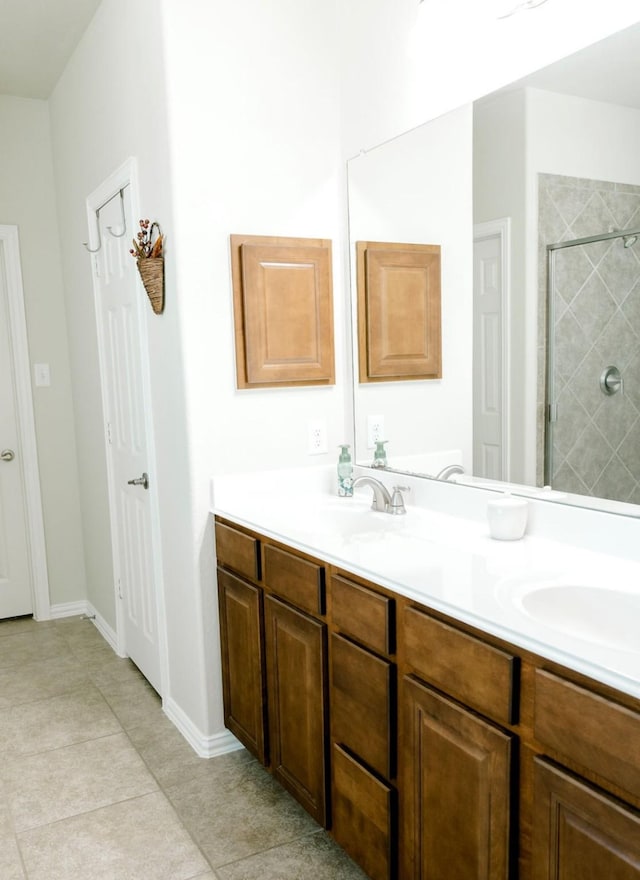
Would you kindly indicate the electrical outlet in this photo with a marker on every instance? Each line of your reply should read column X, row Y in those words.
column 317, row 437
column 375, row 430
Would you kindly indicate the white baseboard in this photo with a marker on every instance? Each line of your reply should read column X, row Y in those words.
column 204, row 746
column 68, row 609
column 86, row 609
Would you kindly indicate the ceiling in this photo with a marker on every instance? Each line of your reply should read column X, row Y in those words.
column 607, row 71
column 37, row 37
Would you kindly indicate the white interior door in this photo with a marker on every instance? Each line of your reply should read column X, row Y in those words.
column 488, row 396
column 15, row 568
column 128, row 436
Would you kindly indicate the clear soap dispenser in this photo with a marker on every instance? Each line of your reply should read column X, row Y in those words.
column 345, row 471
column 380, row 455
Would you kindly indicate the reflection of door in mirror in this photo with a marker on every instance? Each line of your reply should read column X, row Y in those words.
column 491, row 244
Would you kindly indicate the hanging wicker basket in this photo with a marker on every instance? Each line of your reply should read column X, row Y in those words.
column 151, row 271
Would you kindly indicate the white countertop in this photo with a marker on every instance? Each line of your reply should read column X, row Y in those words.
column 448, row 561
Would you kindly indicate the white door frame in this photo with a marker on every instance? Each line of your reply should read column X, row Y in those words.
column 501, row 229
column 127, row 175
column 10, row 245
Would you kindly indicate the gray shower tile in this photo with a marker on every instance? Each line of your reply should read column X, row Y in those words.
column 572, row 421
column 314, row 857
column 629, row 450
column 237, row 808
column 571, row 347
column 594, row 218
column 616, row 417
column 76, row 716
column 619, row 269
column 631, row 377
column 630, row 307
column 590, row 455
column 570, row 201
column 572, row 269
column 593, row 307
column 565, row 479
column 585, row 382
column 54, row 785
column 623, row 207
column 618, row 340
column 616, row 482
column 140, row 839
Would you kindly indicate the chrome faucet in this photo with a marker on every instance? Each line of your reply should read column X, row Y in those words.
column 381, row 497
column 449, row 471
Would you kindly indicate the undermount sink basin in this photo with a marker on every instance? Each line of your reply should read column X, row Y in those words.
column 609, row 617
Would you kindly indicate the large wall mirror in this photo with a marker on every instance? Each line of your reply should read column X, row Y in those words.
column 540, row 345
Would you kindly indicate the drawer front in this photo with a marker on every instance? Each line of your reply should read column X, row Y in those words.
column 238, row 551
column 478, row 674
column 363, row 614
column 364, row 816
column 593, row 731
column 363, row 704
column 300, row 581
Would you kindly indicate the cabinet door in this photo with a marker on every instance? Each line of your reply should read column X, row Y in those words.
column 297, row 687
column 456, row 771
column 243, row 675
column 579, row 832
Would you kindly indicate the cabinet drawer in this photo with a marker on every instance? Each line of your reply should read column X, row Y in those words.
column 238, row 551
column 363, row 614
column 591, row 730
column 364, row 816
column 362, row 698
column 478, row 674
column 300, row 581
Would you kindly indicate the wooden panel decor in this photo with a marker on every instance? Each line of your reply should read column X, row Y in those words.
column 399, row 332
column 283, row 311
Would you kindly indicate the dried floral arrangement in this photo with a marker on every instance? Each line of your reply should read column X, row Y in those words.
column 149, row 255
column 144, row 245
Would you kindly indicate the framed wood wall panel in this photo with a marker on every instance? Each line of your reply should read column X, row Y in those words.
column 399, row 329
column 283, row 311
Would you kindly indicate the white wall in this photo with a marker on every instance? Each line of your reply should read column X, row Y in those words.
column 405, row 63
column 27, row 200
column 252, row 144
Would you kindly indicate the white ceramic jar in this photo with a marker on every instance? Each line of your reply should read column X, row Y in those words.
column 507, row 517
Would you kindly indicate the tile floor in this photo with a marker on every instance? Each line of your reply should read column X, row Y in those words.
column 97, row 784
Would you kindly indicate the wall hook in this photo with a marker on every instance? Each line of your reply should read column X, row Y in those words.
column 124, row 219
column 86, row 244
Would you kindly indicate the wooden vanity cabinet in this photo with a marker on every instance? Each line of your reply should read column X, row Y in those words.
column 448, row 754
column 363, row 707
column 240, row 601
column 457, row 766
column 582, row 830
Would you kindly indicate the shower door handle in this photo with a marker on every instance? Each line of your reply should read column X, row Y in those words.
column 611, row 381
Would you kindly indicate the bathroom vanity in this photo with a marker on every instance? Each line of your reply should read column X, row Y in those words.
column 416, row 718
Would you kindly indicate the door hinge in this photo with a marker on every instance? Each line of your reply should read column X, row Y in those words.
column 109, row 433
column 552, row 414
column 119, row 589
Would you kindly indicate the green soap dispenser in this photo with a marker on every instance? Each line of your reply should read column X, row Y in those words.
column 345, row 471
column 380, row 455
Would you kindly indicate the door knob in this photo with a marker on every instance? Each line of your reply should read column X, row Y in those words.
column 7, row 455
column 140, row 481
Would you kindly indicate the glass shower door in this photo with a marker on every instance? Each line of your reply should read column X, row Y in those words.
column 593, row 368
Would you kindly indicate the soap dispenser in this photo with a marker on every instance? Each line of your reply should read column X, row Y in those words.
column 345, row 471
column 380, row 455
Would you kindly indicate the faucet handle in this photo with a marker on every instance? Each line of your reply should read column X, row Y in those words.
column 397, row 507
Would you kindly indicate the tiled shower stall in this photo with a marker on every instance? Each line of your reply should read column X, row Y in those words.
column 596, row 324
